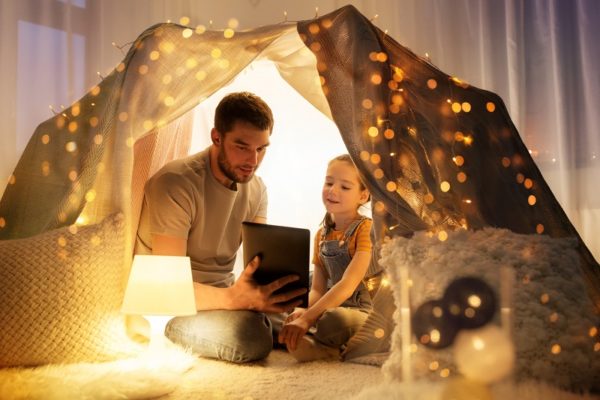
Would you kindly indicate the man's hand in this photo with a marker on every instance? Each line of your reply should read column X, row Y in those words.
column 246, row 294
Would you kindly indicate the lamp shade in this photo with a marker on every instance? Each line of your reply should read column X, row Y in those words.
column 160, row 285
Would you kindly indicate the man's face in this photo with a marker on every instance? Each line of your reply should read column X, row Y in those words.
column 241, row 150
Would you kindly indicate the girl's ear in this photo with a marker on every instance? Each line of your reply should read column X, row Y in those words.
column 364, row 196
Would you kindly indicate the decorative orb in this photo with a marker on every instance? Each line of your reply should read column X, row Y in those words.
column 486, row 355
column 471, row 300
column 465, row 389
column 433, row 325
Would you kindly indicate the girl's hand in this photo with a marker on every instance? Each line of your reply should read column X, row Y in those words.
column 298, row 312
column 293, row 331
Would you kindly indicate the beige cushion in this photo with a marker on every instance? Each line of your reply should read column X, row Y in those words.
column 60, row 294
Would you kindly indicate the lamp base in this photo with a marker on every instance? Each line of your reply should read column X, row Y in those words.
column 157, row 330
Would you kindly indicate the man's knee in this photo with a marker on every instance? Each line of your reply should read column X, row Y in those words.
column 235, row 336
column 253, row 336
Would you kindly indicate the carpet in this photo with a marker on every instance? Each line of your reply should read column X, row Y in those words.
column 458, row 389
column 172, row 373
column 279, row 376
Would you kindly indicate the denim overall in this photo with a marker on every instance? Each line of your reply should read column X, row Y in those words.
column 335, row 258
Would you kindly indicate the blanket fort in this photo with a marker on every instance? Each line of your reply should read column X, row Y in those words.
column 437, row 154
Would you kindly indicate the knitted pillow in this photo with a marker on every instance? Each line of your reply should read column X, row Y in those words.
column 60, row 294
column 555, row 330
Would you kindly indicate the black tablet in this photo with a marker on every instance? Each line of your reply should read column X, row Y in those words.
column 283, row 251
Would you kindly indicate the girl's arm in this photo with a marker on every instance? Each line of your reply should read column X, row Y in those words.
column 317, row 289
column 297, row 326
column 318, row 286
column 342, row 290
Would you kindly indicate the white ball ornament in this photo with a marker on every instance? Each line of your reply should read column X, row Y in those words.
column 486, row 354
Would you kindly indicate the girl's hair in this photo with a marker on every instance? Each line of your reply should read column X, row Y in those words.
column 327, row 220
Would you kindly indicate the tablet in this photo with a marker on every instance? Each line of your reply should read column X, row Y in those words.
column 283, row 251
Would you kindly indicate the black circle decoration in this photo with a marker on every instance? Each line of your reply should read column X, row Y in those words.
column 433, row 325
column 471, row 301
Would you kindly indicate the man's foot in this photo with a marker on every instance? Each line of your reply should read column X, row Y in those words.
column 309, row 349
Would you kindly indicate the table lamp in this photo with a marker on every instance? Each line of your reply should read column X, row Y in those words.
column 159, row 288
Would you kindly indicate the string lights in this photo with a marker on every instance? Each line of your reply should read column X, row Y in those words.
column 458, row 140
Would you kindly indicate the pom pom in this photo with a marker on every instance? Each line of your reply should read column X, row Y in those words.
column 471, row 300
column 433, row 325
column 486, row 355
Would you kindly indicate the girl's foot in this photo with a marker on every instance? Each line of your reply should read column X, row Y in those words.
column 309, row 349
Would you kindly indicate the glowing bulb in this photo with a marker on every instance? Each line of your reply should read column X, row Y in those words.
column 373, row 131
column 228, row 33
column 531, row 200
column 233, row 23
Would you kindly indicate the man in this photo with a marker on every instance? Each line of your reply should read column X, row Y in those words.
column 195, row 207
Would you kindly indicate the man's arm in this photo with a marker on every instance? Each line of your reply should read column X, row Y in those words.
column 245, row 294
column 207, row 297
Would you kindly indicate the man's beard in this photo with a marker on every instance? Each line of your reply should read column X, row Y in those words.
column 228, row 169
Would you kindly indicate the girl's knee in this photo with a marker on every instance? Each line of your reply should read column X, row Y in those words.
column 336, row 326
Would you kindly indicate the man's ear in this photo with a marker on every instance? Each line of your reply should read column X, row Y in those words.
column 215, row 136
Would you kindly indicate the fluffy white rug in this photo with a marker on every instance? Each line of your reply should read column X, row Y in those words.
column 171, row 373
column 174, row 374
column 153, row 374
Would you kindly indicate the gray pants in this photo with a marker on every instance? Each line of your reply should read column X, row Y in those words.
column 235, row 336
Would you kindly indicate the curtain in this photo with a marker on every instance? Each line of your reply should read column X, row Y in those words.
column 539, row 56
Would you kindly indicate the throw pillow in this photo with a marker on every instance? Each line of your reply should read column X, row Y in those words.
column 60, row 295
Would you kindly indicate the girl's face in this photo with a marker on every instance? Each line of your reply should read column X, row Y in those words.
column 342, row 192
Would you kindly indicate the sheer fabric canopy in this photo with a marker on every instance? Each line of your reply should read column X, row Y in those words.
column 436, row 153
column 540, row 56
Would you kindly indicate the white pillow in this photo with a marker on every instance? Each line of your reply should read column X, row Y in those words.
column 60, row 295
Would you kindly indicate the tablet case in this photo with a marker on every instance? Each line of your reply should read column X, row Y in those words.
column 283, row 251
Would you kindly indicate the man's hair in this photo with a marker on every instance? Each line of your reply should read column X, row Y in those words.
column 245, row 107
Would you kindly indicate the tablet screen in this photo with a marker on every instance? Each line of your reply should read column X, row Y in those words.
column 283, row 251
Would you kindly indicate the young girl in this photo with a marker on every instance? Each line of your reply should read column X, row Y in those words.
column 338, row 300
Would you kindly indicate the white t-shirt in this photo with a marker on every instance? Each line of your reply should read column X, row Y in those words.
column 183, row 199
